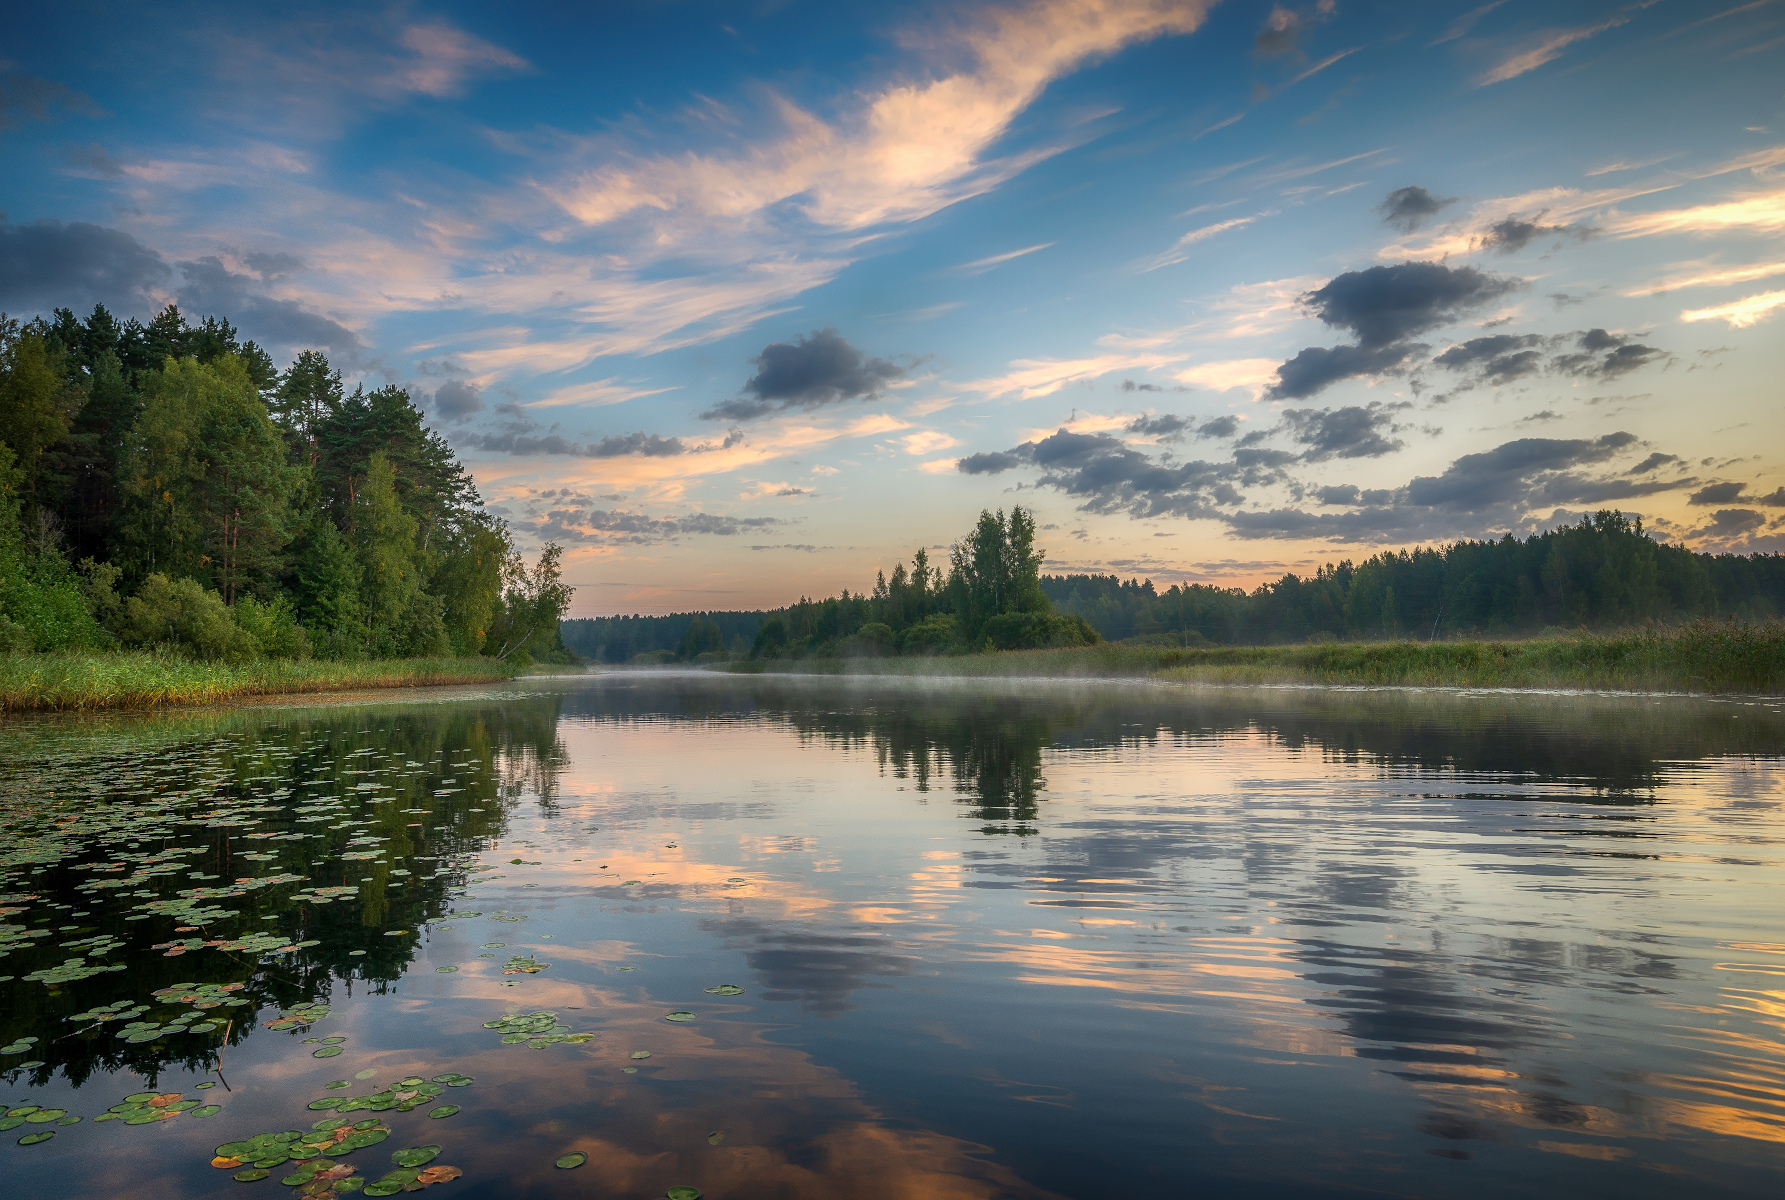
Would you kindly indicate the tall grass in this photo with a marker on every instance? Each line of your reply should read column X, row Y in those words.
column 1707, row 656
column 77, row 681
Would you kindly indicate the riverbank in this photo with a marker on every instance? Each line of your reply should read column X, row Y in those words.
column 1708, row 656
column 87, row 682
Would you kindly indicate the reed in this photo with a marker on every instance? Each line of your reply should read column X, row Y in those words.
column 1705, row 656
column 88, row 681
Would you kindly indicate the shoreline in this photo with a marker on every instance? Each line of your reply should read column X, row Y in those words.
column 1702, row 659
column 72, row 682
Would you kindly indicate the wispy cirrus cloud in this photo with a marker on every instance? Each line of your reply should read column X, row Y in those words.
column 1749, row 310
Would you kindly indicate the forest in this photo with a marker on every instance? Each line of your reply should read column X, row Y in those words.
column 165, row 487
column 1605, row 572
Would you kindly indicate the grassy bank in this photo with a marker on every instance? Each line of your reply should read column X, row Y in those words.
column 74, row 681
column 1704, row 657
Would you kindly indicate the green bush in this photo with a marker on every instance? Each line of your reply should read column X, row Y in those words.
column 1038, row 631
column 182, row 615
column 933, row 635
column 873, row 640
column 273, row 626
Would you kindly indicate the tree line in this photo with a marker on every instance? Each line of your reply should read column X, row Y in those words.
column 1602, row 572
column 163, row 485
column 989, row 598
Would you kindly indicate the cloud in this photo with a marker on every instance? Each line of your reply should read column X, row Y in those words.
column 1283, row 29
column 1318, row 366
column 1763, row 211
column 27, row 98
column 1731, row 523
column 1352, row 432
column 94, row 161
column 1165, row 427
column 1218, row 427
column 1605, row 355
column 822, row 368
column 1545, row 48
column 1497, row 358
column 1750, row 310
column 1383, row 305
column 1773, row 499
column 445, row 58
column 456, row 400
column 1655, row 462
column 639, row 528
column 521, row 436
column 1464, row 23
column 47, row 264
column 1180, row 249
column 1512, row 234
column 1409, row 208
column 1717, row 493
column 210, row 287
column 982, row 265
column 1507, row 487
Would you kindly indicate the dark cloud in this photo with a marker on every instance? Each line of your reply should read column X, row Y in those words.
column 1357, row 431
column 94, row 160
column 1773, row 499
column 456, row 400
column 210, row 287
column 1218, row 427
column 47, row 264
column 1718, row 493
column 793, row 491
column 1318, row 366
column 1350, row 493
column 1655, row 462
column 1513, row 234
column 642, row 529
column 271, row 266
column 992, row 462
column 1128, row 385
column 1732, row 522
column 1410, row 207
column 27, row 98
column 1384, row 305
column 1476, row 482
column 1546, row 415
column 1605, row 355
column 1164, row 427
column 821, row 368
column 519, row 438
column 1497, row 358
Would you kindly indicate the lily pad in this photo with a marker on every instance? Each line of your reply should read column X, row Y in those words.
column 726, row 989
column 571, row 1161
column 32, row 1139
column 641, row 1054
column 328, row 1052
column 679, row 1015
column 446, row 970
column 683, row 1192
column 251, row 1175
column 445, row 1110
column 208, row 1110
column 416, row 1156
column 44, row 1116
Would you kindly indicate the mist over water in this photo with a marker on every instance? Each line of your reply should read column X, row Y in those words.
column 1025, row 938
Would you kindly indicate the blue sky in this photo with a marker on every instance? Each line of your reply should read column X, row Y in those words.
column 740, row 302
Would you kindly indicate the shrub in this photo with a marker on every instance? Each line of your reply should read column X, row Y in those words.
column 181, row 614
column 933, row 635
column 873, row 640
column 274, row 627
column 1037, row 631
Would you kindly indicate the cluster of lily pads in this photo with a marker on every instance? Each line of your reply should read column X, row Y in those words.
column 254, row 1158
column 406, row 1094
column 144, row 1108
column 537, row 1029
column 31, row 1114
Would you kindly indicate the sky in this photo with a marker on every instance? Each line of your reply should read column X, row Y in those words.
column 739, row 302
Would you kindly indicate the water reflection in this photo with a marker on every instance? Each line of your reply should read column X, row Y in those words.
column 994, row 939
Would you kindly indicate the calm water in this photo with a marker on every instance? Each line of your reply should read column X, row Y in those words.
column 1030, row 939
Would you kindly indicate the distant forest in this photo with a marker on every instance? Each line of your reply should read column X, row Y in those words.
column 1603, row 572
column 165, row 487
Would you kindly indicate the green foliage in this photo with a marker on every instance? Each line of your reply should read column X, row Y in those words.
column 207, row 484
column 531, row 607
column 273, row 625
column 183, row 616
column 328, row 590
column 1603, row 572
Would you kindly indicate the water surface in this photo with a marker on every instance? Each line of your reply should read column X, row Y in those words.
column 988, row 939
